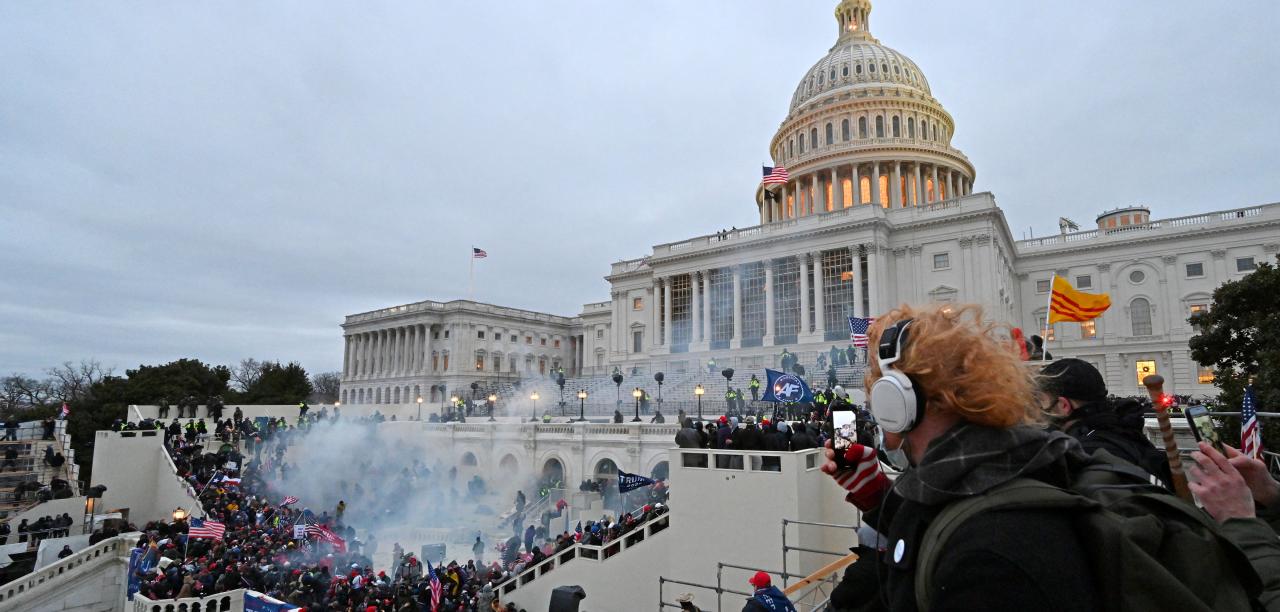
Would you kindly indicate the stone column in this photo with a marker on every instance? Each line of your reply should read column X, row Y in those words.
column 803, row 327
column 736, row 316
column 817, row 194
column 346, row 356
column 695, row 306
column 919, row 195
column 362, row 367
column 873, row 280
column 855, row 252
column 857, row 185
column 936, row 191
column 895, row 186
column 706, row 306
column 768, row 302
column 782, row 204
column 666, row 312
column 819, row 322
column 380, row 359
column 875, row 184
column 837, row 194
column 951, row 183
column 401, row 341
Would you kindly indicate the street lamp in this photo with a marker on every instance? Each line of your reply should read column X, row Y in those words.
column 179, row 514
column 419, row 407
column 637, row 394
column 582, row 403
column 698, row 391
column 453, row 402
column 534, row 397
column 493, row 401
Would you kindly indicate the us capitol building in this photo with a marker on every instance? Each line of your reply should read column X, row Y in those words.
column 878, row 210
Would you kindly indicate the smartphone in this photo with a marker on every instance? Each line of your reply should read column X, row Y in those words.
column 1202, row 426
column 844, row 421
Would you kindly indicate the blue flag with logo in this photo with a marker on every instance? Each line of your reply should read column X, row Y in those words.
column 631, row 482
column 786, row 388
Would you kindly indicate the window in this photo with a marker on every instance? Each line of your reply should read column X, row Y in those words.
column 480, row 335
column 896, row 70
column 862, row 127
column 1204, row 375
column 528, row 339
column 637, row 303
column 1140, row 314
column 446, row 361
column 911, row 127
column 1042, row 286
column 556, row 344
column 941, row 261
column 857, row 69
column 542, row 341
column 897, row 127
column 1245, row 264
column 435, row 335
column 879, row 127
column 1040, row 325
column 871, row 67
column 1088, row 329
column 844, row 71
column 820, row 79
column 884, row 67
column 513, row 337
column 1144, row 369
column 831, row 135
column 599, row 333
column 813, row 136
column 844, row 130
column 1195, row 310
column 1084, row 282
column 480, row 362
column 637, row 341
column 791, row 148
column 832, row 75
column 446, row 333
column 802, row 144
column 1195, row 270
column 1137, row 276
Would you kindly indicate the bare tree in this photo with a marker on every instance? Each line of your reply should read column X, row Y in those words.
column 69, row 382
column 246, row 374
column 19, row 392
column 326, row 387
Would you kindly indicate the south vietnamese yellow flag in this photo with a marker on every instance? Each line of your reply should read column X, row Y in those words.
column 1068, row 304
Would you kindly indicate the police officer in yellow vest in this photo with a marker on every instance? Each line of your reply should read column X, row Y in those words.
column 754, row 385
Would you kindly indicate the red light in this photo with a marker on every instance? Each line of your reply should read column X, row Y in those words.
column 1166, row 401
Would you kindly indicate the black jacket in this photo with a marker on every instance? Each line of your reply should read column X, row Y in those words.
column 748, row 438
column 1118, row 429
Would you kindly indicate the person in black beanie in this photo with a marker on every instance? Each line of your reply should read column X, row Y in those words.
column 1074, row 394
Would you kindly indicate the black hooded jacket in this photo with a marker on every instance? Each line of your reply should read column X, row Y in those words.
column 1118, row 429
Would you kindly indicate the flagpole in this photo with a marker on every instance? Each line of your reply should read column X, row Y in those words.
column 471, row 275
column 1048, row 312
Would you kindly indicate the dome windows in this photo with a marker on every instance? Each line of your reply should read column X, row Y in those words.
column 844, row 130
column 791, row 148
column 897, row 127
column 802, row 143
column 819, row 79
column 857, row 69
column 813, row 137
column 911, row 127
column 844, row 71
column 879, row 127
column 862, row 127
column 871, row 67
column 832, row 76
column 831, row 135
column 884, row 68
column 896, row 70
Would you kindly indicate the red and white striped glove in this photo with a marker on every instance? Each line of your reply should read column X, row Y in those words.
column 864, row 480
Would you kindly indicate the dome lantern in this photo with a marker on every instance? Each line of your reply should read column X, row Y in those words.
column 852, row 18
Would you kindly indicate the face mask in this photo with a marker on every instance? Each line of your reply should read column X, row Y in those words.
column 896, row 457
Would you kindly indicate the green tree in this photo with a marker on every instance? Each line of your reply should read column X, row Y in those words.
column 278, row 384
column 1239, row 337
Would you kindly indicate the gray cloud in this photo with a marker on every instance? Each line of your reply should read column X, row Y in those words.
column 225, row 181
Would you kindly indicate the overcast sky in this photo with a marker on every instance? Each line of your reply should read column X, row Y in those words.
column 225, row 180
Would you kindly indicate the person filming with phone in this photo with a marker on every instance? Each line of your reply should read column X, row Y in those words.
column 990, row 510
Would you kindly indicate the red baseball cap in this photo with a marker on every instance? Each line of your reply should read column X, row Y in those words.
column 760, row 580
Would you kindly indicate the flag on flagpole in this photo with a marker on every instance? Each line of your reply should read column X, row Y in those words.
column 631, row 482
column 223, row 479
column 204, row 528
column 320, row 532
column 858, row 331
column 288, row 499
column 66, row 410
column 785, row 387
column 775, row 176
column 478, row 253
column 1066, row 303
column 1250, row 436
column 436, row 588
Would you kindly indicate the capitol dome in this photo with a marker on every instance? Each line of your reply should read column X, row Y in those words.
column 863, row 127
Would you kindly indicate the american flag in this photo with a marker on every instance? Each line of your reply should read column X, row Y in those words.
column 858, row 331
column 320, row 532
column 478, row 253
column 203, row 528
column 775, row 176
column 436, row 588
column 1250, row 436
column 288, row 499
column 66, row 410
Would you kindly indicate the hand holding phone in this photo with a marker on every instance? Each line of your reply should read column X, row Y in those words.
column 1203, row 428
column 843, row 424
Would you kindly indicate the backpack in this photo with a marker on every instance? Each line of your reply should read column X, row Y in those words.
column 1149, row 549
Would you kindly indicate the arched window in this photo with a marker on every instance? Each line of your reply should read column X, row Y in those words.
column 813, row 136
column 862, row 127
column 884, row 68
column 819, row 79
column 897, row 127
column 879, row 127
column 1140, row 315
column 831, row 135
column 911, row 127
column 844, row 70
column 857, row 69
column 832, row 76
column 924, row 129
column 791, row 148
column 896, row 70
column 871, row 67
column 802, row 143
column 844, row 129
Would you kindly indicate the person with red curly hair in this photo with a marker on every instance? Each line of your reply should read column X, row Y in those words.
column 959, row 416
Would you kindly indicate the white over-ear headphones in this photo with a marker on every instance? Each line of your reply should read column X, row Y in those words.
column 896, row 402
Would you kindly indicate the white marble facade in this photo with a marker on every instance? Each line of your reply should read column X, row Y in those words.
column 879, row 210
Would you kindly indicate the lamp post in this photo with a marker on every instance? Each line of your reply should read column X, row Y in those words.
column 493, row 401
column 453, row 402
column 698, row 391
column 179, row 514
column 419, row 407
column 637, row 394
column 582, row 405
column 534, row 397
